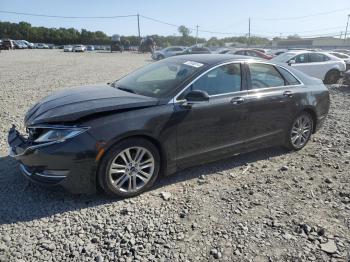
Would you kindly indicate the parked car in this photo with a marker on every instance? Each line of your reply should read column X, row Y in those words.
column 321, row 65
column 344, row 51
column 41, row 46
column 19, row 45
column 260, row 50
column 279, row 53
column 90, row 48
column 28, row 44
column 252, row 53
column 165, row 117
column 68, row 48
column 167, row 52
column 147, row 44
column 344, row 57
column 79, row 48
column 223, row 51
column 195, row 50
column 7, row 44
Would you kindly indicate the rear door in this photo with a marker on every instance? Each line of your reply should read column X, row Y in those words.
column 271, row 102
column 319, row 65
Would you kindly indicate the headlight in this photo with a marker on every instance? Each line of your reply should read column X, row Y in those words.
column 58, row 134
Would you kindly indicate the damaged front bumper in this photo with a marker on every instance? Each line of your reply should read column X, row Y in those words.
column 70, row 164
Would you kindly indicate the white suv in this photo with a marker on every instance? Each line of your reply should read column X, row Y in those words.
column 321, row 65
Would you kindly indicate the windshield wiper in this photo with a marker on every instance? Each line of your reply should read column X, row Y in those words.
column 126, row 89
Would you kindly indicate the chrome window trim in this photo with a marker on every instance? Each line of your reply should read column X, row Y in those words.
column 277, row 65
column 297, row 78
column 174, row 99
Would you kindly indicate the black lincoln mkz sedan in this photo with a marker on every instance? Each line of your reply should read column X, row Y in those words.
column 166, row 116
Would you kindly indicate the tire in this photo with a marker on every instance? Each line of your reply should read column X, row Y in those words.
column 299, row 131
column 332, row 77
column 121, row 180
column 160, row 57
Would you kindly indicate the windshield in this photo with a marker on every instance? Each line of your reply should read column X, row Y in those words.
column 283, row 58
column 158, row 79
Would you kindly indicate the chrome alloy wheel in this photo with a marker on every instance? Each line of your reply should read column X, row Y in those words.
column 131, row 169
column 301, row 131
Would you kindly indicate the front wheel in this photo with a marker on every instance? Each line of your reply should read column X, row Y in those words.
column 300, row 131
column 129, row 168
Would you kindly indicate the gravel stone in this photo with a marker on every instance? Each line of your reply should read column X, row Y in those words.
column 329, row 247
column 165, row 195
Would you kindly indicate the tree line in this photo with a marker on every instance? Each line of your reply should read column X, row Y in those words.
column 63, row 36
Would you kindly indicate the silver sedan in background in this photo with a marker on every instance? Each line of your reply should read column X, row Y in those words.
column 167, row 52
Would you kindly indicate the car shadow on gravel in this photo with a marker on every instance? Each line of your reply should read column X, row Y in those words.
column 223, row 165
column 22, row 201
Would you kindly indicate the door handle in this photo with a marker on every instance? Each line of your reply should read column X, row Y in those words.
column 237, row 100
column 288, row 93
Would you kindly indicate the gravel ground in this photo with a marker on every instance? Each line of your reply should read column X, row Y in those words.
column 269, row 205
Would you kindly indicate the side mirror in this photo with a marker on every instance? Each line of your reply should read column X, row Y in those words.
column 195, row 97
column 291, row 62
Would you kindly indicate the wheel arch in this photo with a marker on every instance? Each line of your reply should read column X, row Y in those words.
column 335, row 68
column 313, row 114
column 149, row 138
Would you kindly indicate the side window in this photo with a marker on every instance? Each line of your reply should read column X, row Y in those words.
column 317, row 57
column 302, row 58
column 221, row 80
column 291, row 80
column 251, row 53
column 177, row 49
column 264, row 75
column 240, row 52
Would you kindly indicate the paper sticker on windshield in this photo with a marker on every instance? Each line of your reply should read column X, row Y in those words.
column 194, row 64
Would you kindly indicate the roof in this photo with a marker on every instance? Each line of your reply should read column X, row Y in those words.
column 210, row 59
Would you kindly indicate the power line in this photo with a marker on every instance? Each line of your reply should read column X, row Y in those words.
column 192, row 28
column 306, row 31
column 68, row 17
column 303, row 16
column 159, row 21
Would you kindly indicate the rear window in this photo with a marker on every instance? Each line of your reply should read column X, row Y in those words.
column 264, row 75
column 291, row 80
column 317, row 57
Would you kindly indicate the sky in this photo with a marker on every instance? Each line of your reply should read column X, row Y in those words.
column 223, row 18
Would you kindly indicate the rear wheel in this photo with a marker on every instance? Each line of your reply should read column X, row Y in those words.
column 300, row 131
column 160, row 57
column 332, row 77
column 129, row 168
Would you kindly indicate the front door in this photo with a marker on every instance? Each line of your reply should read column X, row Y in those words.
column 216, row 127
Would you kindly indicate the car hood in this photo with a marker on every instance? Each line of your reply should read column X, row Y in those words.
column 71, row 105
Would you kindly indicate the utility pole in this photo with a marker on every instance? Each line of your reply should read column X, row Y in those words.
column 341, row 34
column 138, row 24
column 346, row 30
column 249, row 33
column 197, row 34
